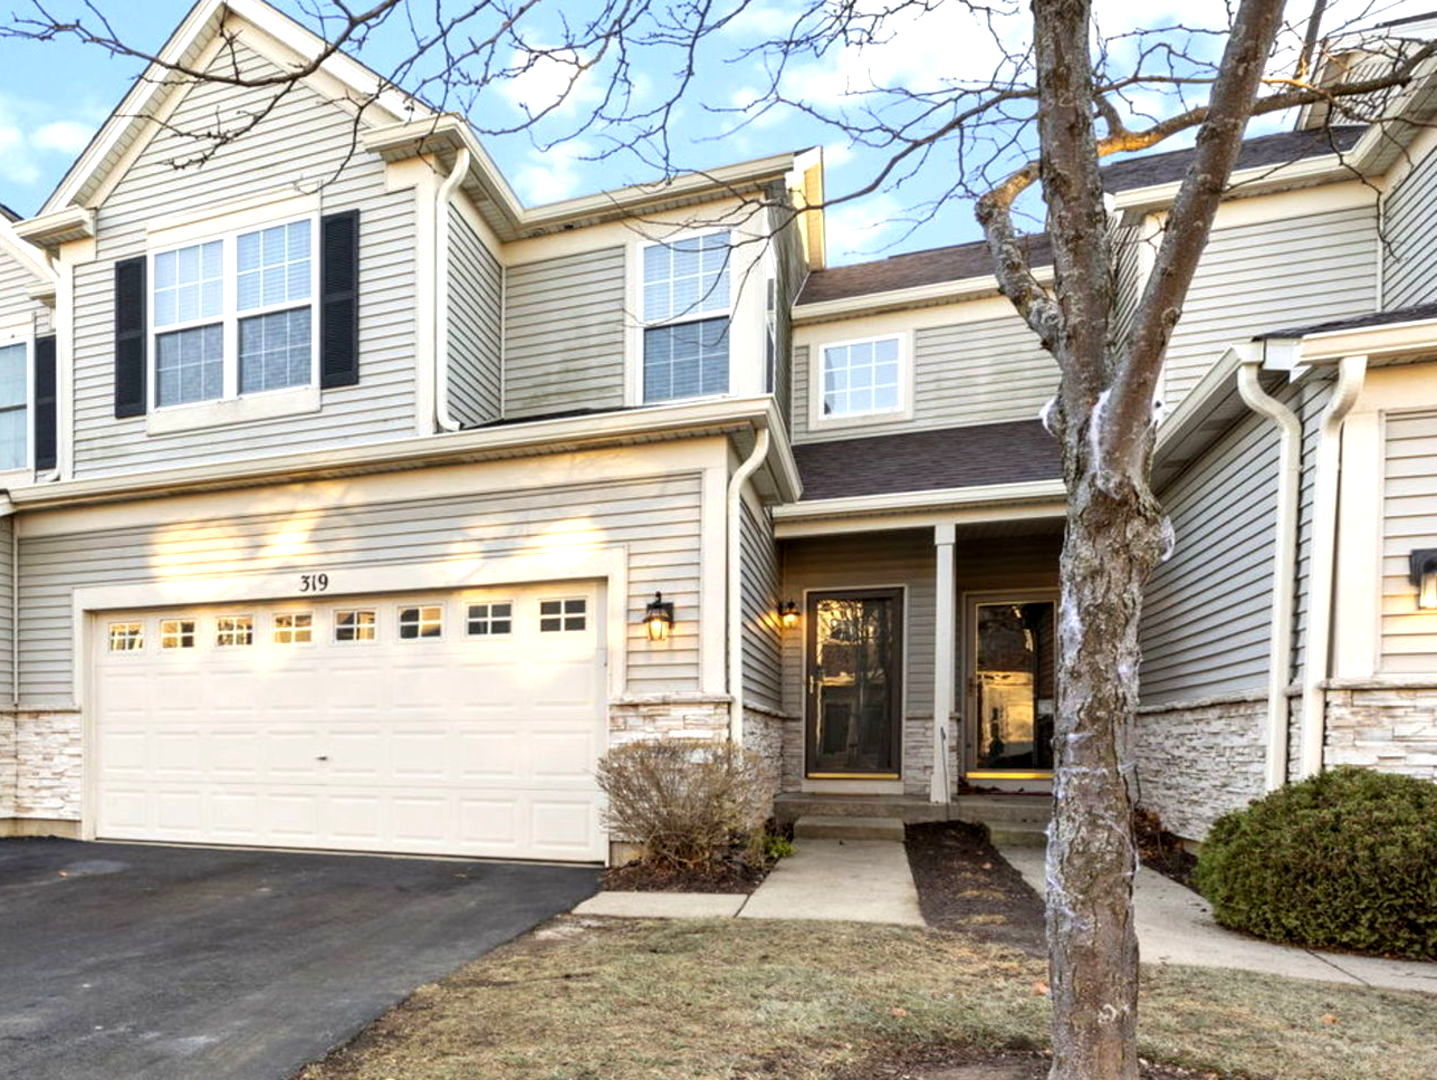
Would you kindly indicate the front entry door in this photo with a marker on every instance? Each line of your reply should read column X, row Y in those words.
column 855, row 683
column 1011, row 687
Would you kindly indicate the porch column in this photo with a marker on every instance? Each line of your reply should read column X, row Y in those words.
column 944, row 654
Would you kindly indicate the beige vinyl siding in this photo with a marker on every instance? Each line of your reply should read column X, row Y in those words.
column 564, row 334
column 1207, row 610
column 15, row 281
column 970, row 373
column 305, row 144
column 7, row 606
column 658, row 519
column 1409, row 521
column 1410, row 272
column 791, row 271
column 762, row 633
column 1268, row 276
column 476, row 296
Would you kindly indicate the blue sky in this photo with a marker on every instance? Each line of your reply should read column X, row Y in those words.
column 54, row 95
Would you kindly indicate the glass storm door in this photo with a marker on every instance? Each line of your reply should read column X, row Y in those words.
column 1012, row 688
column 855, row 682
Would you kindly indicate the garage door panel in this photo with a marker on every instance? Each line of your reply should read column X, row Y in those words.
column 469, row 745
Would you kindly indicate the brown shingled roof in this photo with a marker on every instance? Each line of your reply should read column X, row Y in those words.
column 1276, row 149
column 916, row 268
column 957, row 457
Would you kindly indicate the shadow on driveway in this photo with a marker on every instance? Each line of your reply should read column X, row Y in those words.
column 123, row 960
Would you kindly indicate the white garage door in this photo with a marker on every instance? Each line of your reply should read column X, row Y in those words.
column 459, row 724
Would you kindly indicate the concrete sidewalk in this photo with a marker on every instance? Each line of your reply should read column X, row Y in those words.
column 1175, row 926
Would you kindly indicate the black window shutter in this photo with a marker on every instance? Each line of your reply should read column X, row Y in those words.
column 339, row 299
column 130, row 334
column 45, row 456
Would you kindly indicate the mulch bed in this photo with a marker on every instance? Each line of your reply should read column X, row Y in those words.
column 964, row 884
column 732, row 876
column 1160, row 850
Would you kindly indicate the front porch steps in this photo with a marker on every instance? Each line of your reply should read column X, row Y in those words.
column 847, row 827
column 1017, row 820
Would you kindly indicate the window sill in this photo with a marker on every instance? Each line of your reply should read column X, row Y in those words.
column 859, row 420
column 241, row 410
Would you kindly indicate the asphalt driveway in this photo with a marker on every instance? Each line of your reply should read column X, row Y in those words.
column 124, row 960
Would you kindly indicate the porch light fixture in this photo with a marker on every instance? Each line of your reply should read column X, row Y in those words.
column 659, row 617
column 788, row 614
column 1423, row 573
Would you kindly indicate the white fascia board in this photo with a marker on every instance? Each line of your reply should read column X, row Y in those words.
column 1373, row 342
column 29, row 257
column 50, row 230
column 941, row 292
column 1259, row 180
column 899, row 502
column 509, row 440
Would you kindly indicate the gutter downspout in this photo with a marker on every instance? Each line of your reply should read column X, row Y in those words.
column 1352, row 370
column 443, row 420
column 735, row 582
column 1284, row 563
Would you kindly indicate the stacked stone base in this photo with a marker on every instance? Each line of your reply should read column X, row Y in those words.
column 1393, row 729
column 41, row 773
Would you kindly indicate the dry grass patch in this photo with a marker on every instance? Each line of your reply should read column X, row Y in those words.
column 694, row 1000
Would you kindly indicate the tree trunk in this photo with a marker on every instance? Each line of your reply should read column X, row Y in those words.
column 1113, row 540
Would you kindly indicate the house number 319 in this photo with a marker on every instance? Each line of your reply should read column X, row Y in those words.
column 313, row 583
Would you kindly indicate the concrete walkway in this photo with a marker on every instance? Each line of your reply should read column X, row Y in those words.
column 829, row 880
column 1175, row 926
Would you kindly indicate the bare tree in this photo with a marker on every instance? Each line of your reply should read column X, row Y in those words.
column 1053, row 103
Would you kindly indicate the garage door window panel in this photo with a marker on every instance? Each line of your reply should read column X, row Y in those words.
column 421, row 622
column 293, row 628
column 491, row 620
column 556, row 616
column 127, row 637
column 355, row 625
column 234, row 631
column 177, row 633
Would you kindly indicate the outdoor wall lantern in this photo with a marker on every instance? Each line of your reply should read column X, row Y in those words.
column 1423, row 574
column 788, row 614
column 659, row 617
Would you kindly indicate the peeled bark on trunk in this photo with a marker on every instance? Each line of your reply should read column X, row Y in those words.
column 1113, row 541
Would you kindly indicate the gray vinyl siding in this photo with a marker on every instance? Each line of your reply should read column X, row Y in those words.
column 7, row 606
column 306, row 142
column 476, row 297
column 791, row 271
column 15, row 281
column 1268, row 276
column 564, row 334
column 762, row 634
column 1312, row 397
column 1410, row 273
column 1409, row 521
column 1128, row 278
column 1207, row 610
column 658, row 520
column 970, row 373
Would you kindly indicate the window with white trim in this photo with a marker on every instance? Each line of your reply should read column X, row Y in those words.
column 559, row 615
column 127, row 636
column 14, row 406
column 177, row 633
column 421, row 622
column 355, row 624
column 293, row 628
column 861, row 378
column 686, row 318
column 487, row 620
column 233, row 630
column 234, row 315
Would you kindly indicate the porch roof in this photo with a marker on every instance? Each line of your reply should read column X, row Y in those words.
column 975, row 456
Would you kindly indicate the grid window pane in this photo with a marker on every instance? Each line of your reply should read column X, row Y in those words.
column 14, row 382
column 14, row 415
column 421, row 622
column 273, row 266
column 861, row 377
column 189, row 284
column 189, row 365
column 274, row 350
column 177, row 633
column 355, row 625
column 686, row 360
column 686, row 277
column 489, row 619
column 234, row 630
column 557, row 615
column 127, row 636
column 295, row 628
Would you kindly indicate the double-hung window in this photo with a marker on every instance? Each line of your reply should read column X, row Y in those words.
column 686, row 317
column 234, row 316
column 14, row 405
column 862, row 378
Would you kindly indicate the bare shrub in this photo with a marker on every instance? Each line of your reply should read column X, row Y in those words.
column 689, row 802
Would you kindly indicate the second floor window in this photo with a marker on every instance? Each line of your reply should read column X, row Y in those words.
column 14, row 407
column 234, row 316
column 861, row 377
column 686, row 318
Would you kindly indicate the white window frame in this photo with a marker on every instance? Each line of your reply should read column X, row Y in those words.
column 357, row 609
column 420, row 606
column 293, row 642
column 564, row 615
column 489, row 618
column 22, row 332
column 178, row 635
column 817, row 421
column 143, row 638
column 638, row 324
column 253, row 631
column 232, row 406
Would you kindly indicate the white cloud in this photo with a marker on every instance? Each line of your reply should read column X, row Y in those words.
column 862, row 227
column 836, row 155
column 16, row 164
column 550, row 175
column 549, row 79
column 30, row 140
column 66, row 136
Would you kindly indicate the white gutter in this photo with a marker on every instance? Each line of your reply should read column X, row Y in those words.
column 1352, row 370
column 442, row 418
column 1284, row 561
column 735, row 582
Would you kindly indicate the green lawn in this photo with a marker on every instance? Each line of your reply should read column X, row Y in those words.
column 618, row 1000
